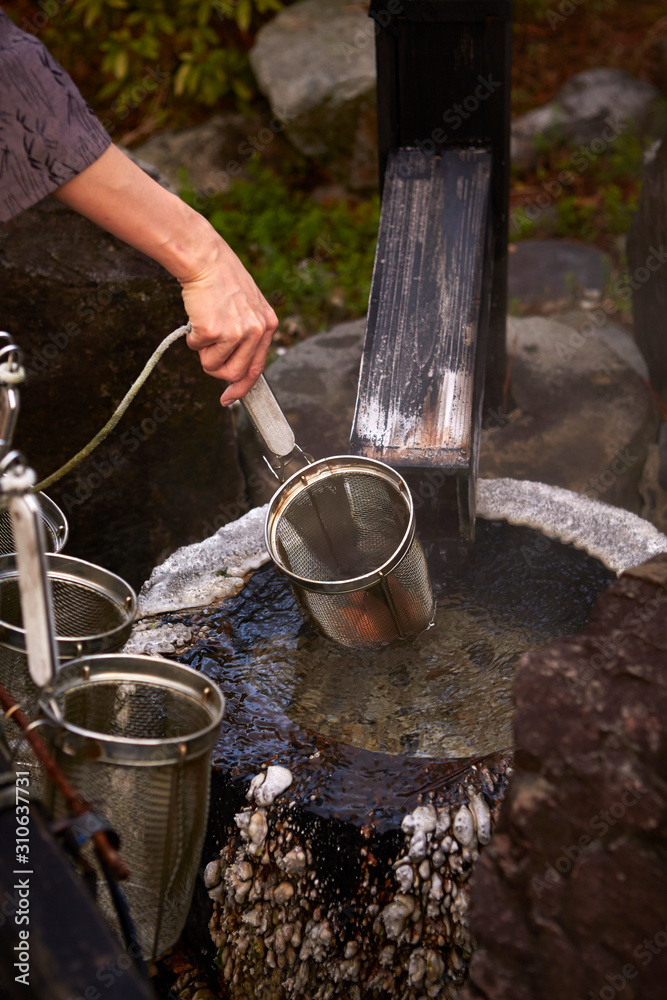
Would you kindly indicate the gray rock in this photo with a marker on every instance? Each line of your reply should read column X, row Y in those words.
column 315, row 62
column 584, row 419
column 647, row 257
column 584, row 110
column 616, row 537
column 618, row 340
column 198, row 574
column 662, row 457
column 152, row 169
column 653, row 488
column 540, row 270
column 576, row 858
column 316, row 385
column 215, row 152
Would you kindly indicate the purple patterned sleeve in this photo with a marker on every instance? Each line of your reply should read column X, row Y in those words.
column 48, row 134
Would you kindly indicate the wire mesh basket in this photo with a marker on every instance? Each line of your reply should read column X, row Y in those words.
column 134, row 735
column 53, row 520
column 93, row 611
column 343, row 531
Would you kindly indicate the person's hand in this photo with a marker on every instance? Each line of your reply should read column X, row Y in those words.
column 232, row 323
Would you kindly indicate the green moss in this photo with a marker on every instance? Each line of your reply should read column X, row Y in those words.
column 310, row 259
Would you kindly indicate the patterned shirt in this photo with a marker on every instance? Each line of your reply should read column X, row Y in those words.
column 48, row 134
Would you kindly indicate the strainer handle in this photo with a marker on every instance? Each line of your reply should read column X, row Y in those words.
column 34, row 587
column 10, row 357
column 268, row 419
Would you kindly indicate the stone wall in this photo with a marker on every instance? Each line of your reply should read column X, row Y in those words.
column 569, row 898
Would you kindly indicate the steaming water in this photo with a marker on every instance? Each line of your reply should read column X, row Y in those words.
column 446, row 693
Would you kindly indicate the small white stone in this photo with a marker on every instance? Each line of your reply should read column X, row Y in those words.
column 425, row 870
column 242, row 820
column 417, row 848
column 422, row 818
column 435, row 967
column 405, row 877
column 294, row 862
column 396, row 915
column 443, row 822
column 267, row 785
column 416, row 968
column 436, row 891
column 212, row 874
column 464, row 827
column 482, row 816
column 387, row 955
column 257, row 831
column 283, row 892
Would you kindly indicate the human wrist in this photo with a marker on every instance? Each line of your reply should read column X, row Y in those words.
column 193, row 249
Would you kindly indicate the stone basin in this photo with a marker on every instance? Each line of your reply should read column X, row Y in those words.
column 346, row 872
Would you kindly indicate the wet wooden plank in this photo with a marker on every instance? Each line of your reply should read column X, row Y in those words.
column 417, row 382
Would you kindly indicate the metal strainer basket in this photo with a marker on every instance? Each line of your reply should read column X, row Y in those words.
column 93, row 613
column 343, row 530
column 134, row 734
column 54, row 521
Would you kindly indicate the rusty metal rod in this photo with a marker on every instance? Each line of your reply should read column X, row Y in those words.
column 75, row 803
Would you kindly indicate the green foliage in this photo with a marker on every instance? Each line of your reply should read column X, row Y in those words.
column 590, row 197
column 165, row 50
column 311, row 259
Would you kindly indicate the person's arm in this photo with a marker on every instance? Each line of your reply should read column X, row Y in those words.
column 232, row 323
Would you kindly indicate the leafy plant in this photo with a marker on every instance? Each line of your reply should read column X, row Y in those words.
column 312, row 260
column 157, row 53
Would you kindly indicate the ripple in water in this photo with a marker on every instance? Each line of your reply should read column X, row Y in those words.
column 446, row 693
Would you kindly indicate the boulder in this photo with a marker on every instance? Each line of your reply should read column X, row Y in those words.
column 647, row 260
column 653, row 485
column 88, row 311
column 568, row 899
column 592, row 107
column 315, row 62
column 215, row 152
column 542, row 271
column 583, row 419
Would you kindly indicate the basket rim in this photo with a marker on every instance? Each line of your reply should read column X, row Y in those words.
column 55, row 518
column 72, row 570
column 318, row 471
column 144, row 669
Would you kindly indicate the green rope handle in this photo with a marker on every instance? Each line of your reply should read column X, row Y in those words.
column 118, row 412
